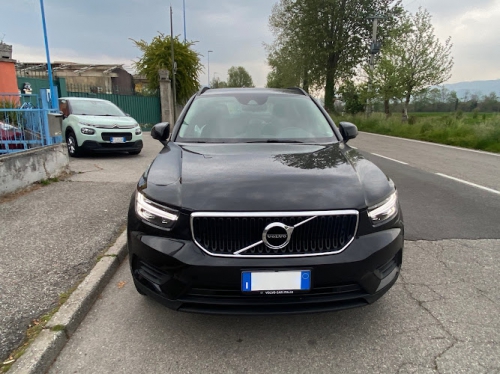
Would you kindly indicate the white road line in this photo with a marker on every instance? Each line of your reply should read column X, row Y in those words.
column 470, row 183
column 388, row 158
column 436, row 144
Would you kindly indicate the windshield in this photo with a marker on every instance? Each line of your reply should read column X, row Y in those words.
column 95, row 108
column 254, row 118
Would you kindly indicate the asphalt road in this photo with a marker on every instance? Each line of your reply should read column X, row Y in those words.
column 50, row 238
column 442, row 316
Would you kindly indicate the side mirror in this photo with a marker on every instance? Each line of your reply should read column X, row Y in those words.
column 161, row 132
column 348, row 130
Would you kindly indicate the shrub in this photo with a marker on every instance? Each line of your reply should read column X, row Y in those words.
column 475, row 114
column 449, row 129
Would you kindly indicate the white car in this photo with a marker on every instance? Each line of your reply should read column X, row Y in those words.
column 95, row 125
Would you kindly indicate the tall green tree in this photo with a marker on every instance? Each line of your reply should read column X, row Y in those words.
column 383, row 78
column 156, row 55
column 323, row 41
column 288, row 67
column 418, row 58
column 238, row 77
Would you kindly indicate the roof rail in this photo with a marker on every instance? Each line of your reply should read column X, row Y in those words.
column 298, row 89
column 203, row 90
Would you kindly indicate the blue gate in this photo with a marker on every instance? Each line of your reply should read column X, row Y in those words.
column 24, row 123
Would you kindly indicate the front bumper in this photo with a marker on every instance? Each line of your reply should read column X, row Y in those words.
column 181, row 276
column 93, row 146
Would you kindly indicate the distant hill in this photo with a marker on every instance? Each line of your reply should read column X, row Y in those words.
column 475, row 87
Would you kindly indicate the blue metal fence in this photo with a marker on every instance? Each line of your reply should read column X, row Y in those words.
column 23, row 123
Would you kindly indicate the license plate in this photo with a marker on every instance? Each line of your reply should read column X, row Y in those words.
column 276, row 282
column 118, row 140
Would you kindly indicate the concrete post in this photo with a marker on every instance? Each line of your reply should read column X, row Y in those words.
column 166, row 100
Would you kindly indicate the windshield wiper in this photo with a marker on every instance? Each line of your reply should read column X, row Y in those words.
column 274, row 141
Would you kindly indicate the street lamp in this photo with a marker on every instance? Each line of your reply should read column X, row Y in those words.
column 184, row 13
column 209, row 67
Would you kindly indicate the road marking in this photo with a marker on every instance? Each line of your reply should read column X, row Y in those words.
column 470, row 183
column 388, row 158
column 436, row 144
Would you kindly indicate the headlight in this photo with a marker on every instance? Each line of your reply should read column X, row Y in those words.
column 154, row 213
column 138, row 131
column 87, row 131
column 384, row 211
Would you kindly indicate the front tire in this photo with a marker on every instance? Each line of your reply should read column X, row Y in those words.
column 73, row 148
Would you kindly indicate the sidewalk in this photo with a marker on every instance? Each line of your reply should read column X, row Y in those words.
column 50, row 238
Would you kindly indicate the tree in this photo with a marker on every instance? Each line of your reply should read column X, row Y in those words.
column 217, row 83
column 490, row 103
column 238, row 77
column 419, row 57
column 283, row 74
column 352, row 97
column 384, row 82
column 321, row 42
column 288, row 66
column 157, row 55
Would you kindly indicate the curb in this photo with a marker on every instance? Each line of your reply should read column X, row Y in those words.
column 40, row 355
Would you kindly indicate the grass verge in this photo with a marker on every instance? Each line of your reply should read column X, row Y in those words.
column 481, row 133
column 34, row 329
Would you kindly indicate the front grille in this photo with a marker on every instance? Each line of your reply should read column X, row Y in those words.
column 115, row 126
column 106, row 136
column 224, row 235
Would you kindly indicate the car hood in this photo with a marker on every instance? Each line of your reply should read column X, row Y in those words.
column 264, row 177
column 105, row 120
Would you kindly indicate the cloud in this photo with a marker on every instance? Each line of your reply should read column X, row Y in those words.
column 94, row 31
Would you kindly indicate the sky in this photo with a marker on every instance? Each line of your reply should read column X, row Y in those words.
column 99, row 31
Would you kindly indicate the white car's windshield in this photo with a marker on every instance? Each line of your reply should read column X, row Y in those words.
column 95, row 108
column 254, row 118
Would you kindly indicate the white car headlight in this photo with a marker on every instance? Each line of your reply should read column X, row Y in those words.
column 87, row 131
column 154, row 213
column 384, row 211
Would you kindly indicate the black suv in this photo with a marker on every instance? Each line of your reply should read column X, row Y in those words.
column 257, row 205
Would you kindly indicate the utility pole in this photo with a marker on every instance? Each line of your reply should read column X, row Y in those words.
column 174, row 65
column 374, row 50
column 53, row 102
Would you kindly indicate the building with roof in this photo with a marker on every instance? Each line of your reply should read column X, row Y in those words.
column 95, row 78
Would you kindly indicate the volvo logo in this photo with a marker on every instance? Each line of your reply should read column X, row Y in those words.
column 277, row 235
